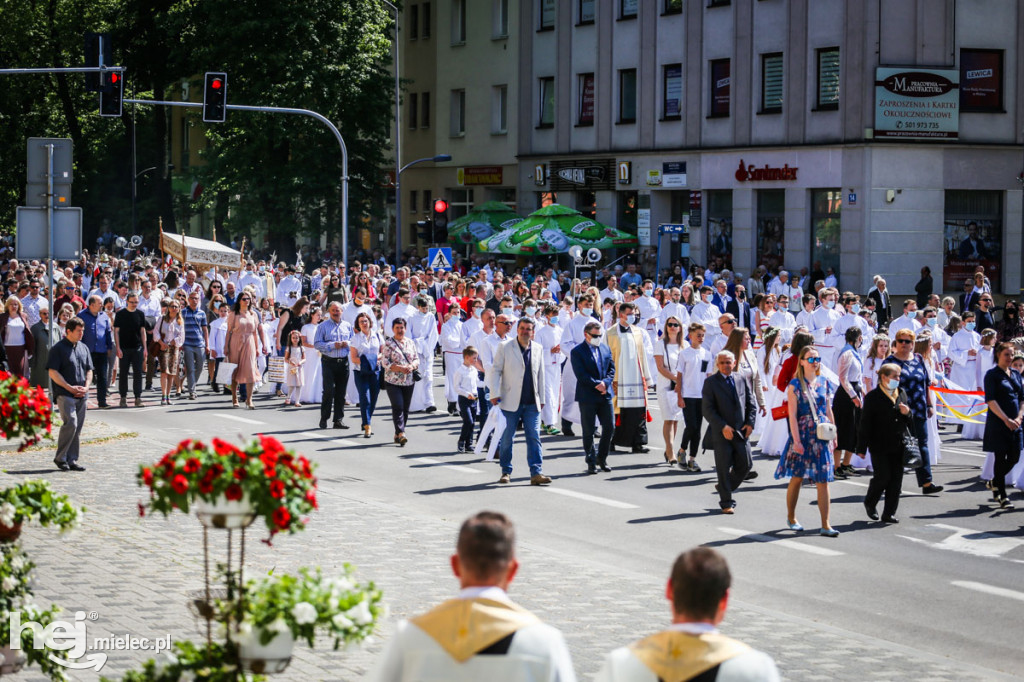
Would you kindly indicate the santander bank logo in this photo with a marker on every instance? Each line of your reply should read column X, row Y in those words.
column 752, row 173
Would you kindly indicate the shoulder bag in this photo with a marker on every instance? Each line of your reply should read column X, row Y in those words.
column 823, row 430
column 416, row 376
column 912, row 456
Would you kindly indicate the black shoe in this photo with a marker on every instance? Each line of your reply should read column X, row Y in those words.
column 839, row 473
column 323, row 423
column 431, row 409
column 850, row 471
column 931, row 489
column 340, row 425
column 604, row 467
column 872, row 512
column 63, row 466
column 76, row 467
column 215, row 387
column 890, row 519
column 568, row 433
column 639, row 449
column 751, row 475
column 104, row 406
column 591, row 469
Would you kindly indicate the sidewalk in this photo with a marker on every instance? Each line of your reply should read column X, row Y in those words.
column 135, row 573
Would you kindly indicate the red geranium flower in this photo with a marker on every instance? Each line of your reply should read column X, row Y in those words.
column 224, row 449
column 233, row 492
column 205, row 487
column 192, row 465
column 270, row 445
column 147, row 476
column 240, row 474
column 269, row 459
column 277, row 489
column 311, row 498
column 282, row 517
column 180, row 484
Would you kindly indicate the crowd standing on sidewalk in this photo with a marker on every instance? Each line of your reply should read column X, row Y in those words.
column 534, row 351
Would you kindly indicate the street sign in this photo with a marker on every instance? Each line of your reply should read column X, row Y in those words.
column 33, row 228
column 671, row 228
column 35, row 195
column 440, row 258
column 38, row 161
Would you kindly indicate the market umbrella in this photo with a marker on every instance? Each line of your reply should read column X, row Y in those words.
column 482, row 222
column 553, row 229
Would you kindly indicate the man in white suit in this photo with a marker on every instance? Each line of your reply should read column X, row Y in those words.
column 517, row 385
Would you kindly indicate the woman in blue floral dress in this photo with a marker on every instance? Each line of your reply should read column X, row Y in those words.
column 805, row 456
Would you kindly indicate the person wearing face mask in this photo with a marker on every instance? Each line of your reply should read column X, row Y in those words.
column 632, row 376
column 404, row 309
column 451, row 345
column 573, row 335
column 851, row 320
column 706, row 314
column 823, row 322
column 883, row 420
column 422, row 329
column 359, row 304
column 473, row 323
column 963, row 350
column 549, row 336
column 1011, row 326
column 675, row 307
column 906, row 321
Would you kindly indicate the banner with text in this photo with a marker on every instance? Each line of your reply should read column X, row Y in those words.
column 917, row 104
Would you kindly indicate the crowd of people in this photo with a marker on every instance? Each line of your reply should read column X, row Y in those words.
column 809, row 373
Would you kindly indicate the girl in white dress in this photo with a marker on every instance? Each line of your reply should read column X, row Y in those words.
column 666, row 357
column 963, row 351
column 769, row 357
column 923, row 347
column 312, row 377
column 977, row 383
column 877, row 353
column 294, row 359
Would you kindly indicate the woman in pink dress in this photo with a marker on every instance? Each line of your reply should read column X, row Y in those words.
column 242, row 343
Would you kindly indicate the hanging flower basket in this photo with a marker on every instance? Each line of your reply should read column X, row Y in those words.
column 11, row 661
column 270, row 658
column 9, row 533
column 25, row 411
column 225, row 513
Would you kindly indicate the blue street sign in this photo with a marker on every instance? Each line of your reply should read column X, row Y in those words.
column 440, row 258
column 671, row 228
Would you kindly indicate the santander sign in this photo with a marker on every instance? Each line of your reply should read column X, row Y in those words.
column 752, row 173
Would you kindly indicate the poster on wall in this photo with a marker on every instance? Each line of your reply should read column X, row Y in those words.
column 720, row 87
column 970, row 243
column 770, row 242
column 720, row 240
column 917, row 103
column 673, row 91
column 981, row 80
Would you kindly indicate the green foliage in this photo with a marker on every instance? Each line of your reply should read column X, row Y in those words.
column 188, row 661
column 35, row 500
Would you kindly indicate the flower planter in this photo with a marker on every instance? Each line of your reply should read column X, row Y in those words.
column 10, row 533
column 267, row 659
column 225, row 513
column 11, row 661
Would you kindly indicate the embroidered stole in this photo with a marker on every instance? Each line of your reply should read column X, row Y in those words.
column 464, row 627
column 679, row 656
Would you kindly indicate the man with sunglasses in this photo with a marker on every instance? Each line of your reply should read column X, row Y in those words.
column 726, row 324
column 595, row 375
column 983, row 315
column 30, row 303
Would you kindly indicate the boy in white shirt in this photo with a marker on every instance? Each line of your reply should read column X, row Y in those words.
column 691, row 370
column 218, row 333
column 466, row 386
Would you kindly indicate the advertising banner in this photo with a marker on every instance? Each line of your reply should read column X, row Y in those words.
column 970, row 243
column 981, row 80
column 917, row 103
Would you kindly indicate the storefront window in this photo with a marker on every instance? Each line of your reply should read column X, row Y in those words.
column 629, row 202
column 546, row 199
column 771, row 223
column 826, row 205
column 586, row 203
column 973, row 236
column 720, row 228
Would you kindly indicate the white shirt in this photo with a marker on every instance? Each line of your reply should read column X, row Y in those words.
column 707, row 314
column 218, row 332
column 485, row 345
column 31, row 307
column 471, row 327
column 824, row 319
column 451, row 336
column 648, row 308
column 678, row 311
column 403, row 310
column 466, row 380
column 251, row 279
column 903, row 322
column 615, row 295
column 367, row 344
column 693, row 365
column 350, row 311
column 289, row 290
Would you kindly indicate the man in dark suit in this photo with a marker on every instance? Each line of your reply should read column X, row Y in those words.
column 594, row 370
column 730, row 411
column 968, row 299
column 739, row 308
column 880, row 295
column 972, row 247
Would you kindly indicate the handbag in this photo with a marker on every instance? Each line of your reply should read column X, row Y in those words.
column 780, row 412
column 416, row 376
column 911, row 451
column 275, row 369
column 825, row 431
column 226, row 372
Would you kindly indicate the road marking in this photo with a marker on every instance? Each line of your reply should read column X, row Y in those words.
column 453, row 467
column 234, row 418
column 904, row 493
column 989, row 589
column 323, row 436
column 969, row 541
column 791, row 544
column 958, row 451
column 593, row 498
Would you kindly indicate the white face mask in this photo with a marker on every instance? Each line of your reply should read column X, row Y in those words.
column 893, row 384
column 855, row 308
column 706, row 298
column 506, row 311
column 477, row 312
column 648, row 292
column 630, row 319
column 594, row 342
column 830, row 304
column 911, row 314
column 531, row 311
column 553, row 321
column 587, row 312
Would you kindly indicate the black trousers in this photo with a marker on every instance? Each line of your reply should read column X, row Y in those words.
column 467, row 410
column 99, row 374
column 732, row 464
column 335, row 373
column 401, row 398
column 693, row 416
column 888, row 479
column 1005, row 460
column 133, row 359
column 590, row 415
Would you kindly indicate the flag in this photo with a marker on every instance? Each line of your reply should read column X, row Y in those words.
column 197, row 190
column 953, row 403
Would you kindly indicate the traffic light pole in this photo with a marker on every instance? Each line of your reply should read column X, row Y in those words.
column 301, row 112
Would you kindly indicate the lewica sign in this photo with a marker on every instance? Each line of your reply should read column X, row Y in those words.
column 917, row 104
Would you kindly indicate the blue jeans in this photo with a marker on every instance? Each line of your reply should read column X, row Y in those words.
column 367, row 388
column 924, row 472
column 531, row 428
column 483, row 401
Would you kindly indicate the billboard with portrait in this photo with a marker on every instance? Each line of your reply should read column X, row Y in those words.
column 968, row 244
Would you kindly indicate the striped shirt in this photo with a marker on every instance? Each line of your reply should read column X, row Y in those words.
column 195, row 320
column 330, row 332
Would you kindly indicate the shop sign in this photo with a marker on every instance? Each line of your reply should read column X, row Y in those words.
column 643, row 235
column 625, row 172
column 540, row 173
column 654, row 178
column 643, row 217
column 917, row 104
column 766, row 173
column 695, row 208
column 592, row 174
column 480, row 175
column 673, row 174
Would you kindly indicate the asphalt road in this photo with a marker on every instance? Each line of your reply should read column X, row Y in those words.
column 946, row 583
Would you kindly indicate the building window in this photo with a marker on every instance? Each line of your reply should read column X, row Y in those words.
column 771, row 83
column 500, row 19
column 586, row 203
column 428, row 200
column 460, row 204
column 828, row 78
column 547, row 15
column 499, row 110
column 414, row 22
column 412, row 200
column 586, row 107
column 720, row 227
column 458, row 22
column 672, row 92
column 673, row 7
column 458, row 113
column 413, row 107
column 546, row 199
column 973, row 235
column 628, row 9
column 718, row 3
column 547, row 103
column 627, row 96
column 425, row 115
column 771, row 221
column 425, row 24
column 826, row 207
column 626, row 213
column 720, row 88
column 586, row 12
column 981, row 81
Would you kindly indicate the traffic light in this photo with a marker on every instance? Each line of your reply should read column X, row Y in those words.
column 111, row 93
column 440, row 220
column 424, row 230
column 215, row 94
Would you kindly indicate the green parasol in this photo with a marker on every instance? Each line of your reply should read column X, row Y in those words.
column 553, row 229
column 482, row 222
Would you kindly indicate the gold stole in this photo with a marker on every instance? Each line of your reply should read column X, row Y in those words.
column 464, row 627
column 678, row 656
column 612, row 337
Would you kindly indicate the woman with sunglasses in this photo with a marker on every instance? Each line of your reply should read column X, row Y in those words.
column 807, row 456
column 914, row 381
column 170, row 336
column 666, row 359
column 215, row 289
column 241, row 342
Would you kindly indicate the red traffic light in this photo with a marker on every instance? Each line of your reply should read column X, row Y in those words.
column 440, row 205
column 114, row 77
column 216, row 83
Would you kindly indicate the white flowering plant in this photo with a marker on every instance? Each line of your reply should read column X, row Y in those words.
column 308, row 604
column 16, row 597
column 35, row 500
column 188, row 661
